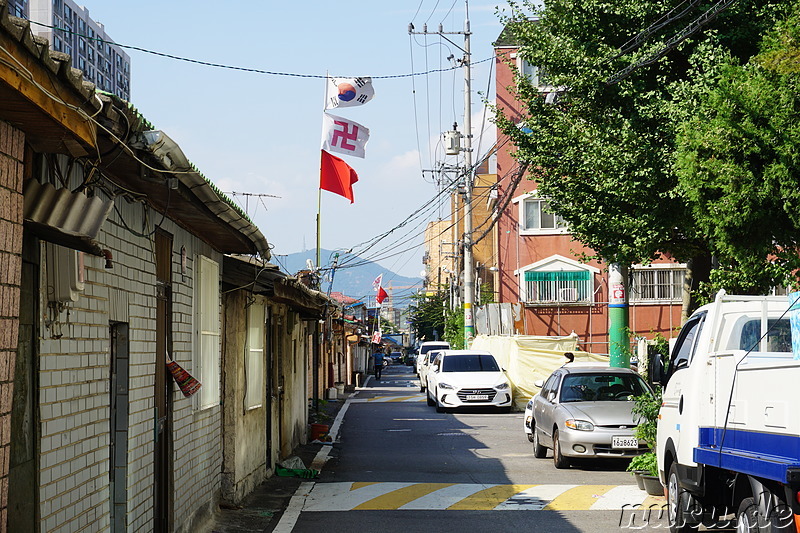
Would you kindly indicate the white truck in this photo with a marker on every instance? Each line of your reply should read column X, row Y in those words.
column 728, row 440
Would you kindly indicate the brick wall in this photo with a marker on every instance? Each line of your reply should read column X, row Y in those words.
column 74, row 395
column 12, row 143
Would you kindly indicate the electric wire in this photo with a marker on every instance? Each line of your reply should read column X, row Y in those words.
column 233, row 67
column 674, row 41
column 414, row 100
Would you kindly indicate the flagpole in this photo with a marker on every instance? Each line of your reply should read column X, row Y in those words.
column 319, row 210
column 319, row 191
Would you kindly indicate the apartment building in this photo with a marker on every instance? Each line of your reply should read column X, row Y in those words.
column 71, row 30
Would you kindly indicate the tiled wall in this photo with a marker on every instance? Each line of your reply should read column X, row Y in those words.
column 74, row 397
column 11, row 156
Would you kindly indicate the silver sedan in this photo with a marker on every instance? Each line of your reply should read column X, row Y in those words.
column 585, row 412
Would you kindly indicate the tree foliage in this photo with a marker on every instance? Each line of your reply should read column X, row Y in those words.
column 604, row 153
column 738, row 162
column 427, row 314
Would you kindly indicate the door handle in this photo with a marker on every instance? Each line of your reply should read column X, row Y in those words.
column 680, row 405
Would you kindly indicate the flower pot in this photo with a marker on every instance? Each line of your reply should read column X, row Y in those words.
column 637, row 474
column 318, row 430
column 652, row 485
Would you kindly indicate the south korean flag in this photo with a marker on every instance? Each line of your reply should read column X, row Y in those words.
column 348, row 92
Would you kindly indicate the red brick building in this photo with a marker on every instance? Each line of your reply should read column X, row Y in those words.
column 539, row 262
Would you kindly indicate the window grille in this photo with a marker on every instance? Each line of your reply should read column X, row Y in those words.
column 559, row 287
column 657, row 284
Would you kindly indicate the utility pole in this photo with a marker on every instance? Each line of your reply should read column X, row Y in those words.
column 466, row 61
column 618, row 339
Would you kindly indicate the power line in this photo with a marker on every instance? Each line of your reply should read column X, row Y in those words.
column 233, row 67
column 677, row 39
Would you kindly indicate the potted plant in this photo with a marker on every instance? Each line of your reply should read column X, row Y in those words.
column 645, row 466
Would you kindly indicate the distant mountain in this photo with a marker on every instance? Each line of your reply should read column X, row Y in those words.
column 354, row 281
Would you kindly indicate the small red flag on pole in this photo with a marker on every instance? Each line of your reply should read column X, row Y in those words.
column 336, row 176
column 381, row 296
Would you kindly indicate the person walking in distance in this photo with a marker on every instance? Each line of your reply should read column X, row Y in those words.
column 378, row 361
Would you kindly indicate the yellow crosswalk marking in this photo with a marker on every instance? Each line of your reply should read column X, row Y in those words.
column 360, row 484
column 577, row 498
column 403, row 398
column 653, row 502
column 400, row 497
column 488, row 499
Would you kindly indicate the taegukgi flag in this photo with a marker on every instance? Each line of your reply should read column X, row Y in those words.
column 348, row 92
column 344, row 136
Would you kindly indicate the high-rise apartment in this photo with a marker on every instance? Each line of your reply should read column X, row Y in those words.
column 69, row 29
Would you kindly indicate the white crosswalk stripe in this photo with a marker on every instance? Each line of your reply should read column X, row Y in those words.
column 395, row 398
column 465, row 496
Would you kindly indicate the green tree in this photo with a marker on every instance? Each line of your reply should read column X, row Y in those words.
column 604, row 152
column 738, row 162
column 427, row 314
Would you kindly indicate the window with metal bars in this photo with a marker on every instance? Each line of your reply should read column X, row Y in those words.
column 556, row 287
column 657, row 284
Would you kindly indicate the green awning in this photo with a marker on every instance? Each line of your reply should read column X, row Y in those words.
column 578, row 275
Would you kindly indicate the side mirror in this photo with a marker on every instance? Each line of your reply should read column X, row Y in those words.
column 538, row 383
column 655, row 371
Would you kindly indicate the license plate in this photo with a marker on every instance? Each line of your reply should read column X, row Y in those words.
column 477, row 397
column 625, row 443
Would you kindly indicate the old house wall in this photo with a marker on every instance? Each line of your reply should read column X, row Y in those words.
column 294, row 404
column 11, row 172
column 244, row 429
column 74, row 395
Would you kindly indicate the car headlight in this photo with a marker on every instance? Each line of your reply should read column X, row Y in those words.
column 502, row 386
column 580, row 425
column 445, row 386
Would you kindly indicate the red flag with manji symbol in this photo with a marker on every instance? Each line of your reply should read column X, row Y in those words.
column 336, row 176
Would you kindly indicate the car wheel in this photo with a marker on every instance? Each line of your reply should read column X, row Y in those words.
column 682, row 510
column 431, row 403
column 439, row 407
column 539, row 451
column 747, row 517
column 559, row 460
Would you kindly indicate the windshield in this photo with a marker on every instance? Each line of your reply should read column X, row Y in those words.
column 470, row 363
column 432, row 355
column 601, row 387
column 429, row 347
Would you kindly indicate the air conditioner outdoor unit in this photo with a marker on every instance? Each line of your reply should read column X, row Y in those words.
column 568, row 295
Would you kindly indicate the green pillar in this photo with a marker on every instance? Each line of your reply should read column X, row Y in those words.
column 618, row 340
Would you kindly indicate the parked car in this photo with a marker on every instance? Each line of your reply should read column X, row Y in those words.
column 467, row 378
column 396, row 357
column 527, row 420
column 424, row 366
column 585, row 412
column 425, row 347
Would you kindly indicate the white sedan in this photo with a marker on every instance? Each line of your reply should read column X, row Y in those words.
column 467, row 378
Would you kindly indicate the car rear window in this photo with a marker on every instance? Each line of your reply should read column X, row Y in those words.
column 429, row 347
column 470, row 363
column 601, row 387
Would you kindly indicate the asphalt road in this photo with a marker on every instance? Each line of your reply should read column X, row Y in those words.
column 400, row 466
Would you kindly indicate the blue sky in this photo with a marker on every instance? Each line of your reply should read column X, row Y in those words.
column 259, row 133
